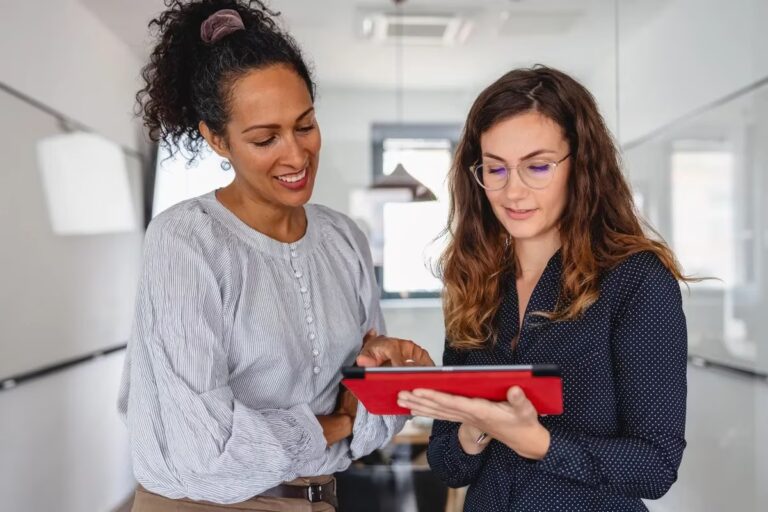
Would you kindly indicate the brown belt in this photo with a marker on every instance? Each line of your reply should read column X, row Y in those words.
column 314, row 493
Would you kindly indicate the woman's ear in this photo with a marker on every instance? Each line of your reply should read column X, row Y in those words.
column 217, row 142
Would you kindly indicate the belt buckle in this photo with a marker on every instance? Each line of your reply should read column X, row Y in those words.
column 315, row 493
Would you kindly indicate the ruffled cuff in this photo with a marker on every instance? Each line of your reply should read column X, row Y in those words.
column 371, row 431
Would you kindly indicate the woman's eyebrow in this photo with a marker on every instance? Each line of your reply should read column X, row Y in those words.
column 529, row 155
column 274, row 126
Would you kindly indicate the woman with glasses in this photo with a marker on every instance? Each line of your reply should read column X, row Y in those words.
column 548, row 262
column 251, row 300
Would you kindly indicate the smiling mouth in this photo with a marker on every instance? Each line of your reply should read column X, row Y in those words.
column 293, row 178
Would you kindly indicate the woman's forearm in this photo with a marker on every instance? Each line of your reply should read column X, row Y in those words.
column 336, row 427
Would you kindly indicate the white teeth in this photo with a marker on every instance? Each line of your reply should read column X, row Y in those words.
column 293, row 178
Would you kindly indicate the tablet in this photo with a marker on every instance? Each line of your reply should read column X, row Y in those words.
column 377, row 388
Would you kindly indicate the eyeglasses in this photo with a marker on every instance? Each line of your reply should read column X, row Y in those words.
column 535, row 173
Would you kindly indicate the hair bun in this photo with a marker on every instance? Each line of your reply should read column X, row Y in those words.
column 220, row 24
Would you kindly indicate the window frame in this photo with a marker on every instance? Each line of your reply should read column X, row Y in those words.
column 379, row 133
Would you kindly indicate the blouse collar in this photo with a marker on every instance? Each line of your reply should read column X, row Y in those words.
column 258, row 239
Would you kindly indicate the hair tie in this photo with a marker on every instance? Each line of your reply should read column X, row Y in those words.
column 220, row 24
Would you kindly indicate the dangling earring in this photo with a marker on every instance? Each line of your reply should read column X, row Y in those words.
column 507, row 241
column 225, row 165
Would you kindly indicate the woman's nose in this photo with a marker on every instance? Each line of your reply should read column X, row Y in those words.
column 515, row 187
column 294, row 155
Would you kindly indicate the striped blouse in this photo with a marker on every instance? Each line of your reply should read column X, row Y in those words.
column 237, row 344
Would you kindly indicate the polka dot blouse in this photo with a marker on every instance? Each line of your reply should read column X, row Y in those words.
column 621, row 436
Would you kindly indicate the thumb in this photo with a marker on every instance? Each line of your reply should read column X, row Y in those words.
column 515, row 396
column 366, row 360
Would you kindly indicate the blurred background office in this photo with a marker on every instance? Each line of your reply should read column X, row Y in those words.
column 683, row 84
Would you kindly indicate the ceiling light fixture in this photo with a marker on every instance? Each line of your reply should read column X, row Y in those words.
column 400, row 177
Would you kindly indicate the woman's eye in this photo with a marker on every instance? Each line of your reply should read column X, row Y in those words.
column 264, row 143
column 542, row 167
column 497, row 170
column 308, row 128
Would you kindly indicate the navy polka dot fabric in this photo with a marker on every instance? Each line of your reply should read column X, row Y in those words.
column 621, row 436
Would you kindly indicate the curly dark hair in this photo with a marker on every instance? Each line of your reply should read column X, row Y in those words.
column 188, row 80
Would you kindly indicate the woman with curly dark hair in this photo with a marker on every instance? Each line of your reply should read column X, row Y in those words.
column 251, row 300
column 548, row 263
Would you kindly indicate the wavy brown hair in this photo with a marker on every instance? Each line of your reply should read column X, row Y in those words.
column 599, row 228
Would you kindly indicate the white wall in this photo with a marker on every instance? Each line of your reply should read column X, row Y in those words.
column 62, row 445
column 60, row 54
column 691, row 53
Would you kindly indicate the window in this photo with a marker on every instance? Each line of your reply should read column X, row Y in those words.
column 408, row 243
column 703, row 214
column 176, row 181
column 708, row 243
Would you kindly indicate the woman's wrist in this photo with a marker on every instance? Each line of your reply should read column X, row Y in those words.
column 531, row 443
column 336, row 426
column 347, row 422
column 472, row 440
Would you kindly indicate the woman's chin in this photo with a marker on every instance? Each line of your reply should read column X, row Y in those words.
column 295, row 196
column 521, row 231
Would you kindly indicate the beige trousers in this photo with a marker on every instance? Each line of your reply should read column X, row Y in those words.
column 146, row 501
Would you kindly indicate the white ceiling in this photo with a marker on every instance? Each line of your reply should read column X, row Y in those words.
column 575, row 35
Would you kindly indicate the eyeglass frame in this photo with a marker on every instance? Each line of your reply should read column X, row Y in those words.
column 473, row 171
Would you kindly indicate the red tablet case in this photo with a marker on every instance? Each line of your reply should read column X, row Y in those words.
column 378, row 390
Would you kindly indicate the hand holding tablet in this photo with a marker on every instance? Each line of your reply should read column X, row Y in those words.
column 377, row 388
